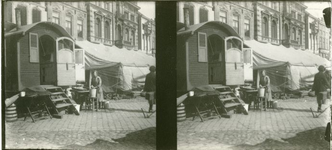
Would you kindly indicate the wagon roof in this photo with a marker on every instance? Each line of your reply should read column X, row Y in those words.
column 191, row 29
column 26, row 28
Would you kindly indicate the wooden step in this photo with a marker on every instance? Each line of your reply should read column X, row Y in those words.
column 62, row 105
column 230, row 105
column 52, row 88
column 226, row 92
column 227, row 99
column 59, row 99
column 57, row 93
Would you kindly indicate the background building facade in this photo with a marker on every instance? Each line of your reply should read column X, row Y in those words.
column 109, row 23
column 277, row 22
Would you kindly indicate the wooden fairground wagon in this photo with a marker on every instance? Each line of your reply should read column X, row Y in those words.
column 212, row 53
column 38, row 54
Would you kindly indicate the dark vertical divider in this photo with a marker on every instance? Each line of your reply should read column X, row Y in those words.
column 166, row 74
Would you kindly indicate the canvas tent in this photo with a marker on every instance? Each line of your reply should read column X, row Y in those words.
column 288, row 68
column 119, row 68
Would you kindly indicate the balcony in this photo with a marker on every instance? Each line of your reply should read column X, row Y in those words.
column 286, row 42
column 107, row 41
column 294, row 42
column 265, row 38
column 274, row 41
column 118, row 43
column 127, row 42
column 119, row 15
column 101, row 40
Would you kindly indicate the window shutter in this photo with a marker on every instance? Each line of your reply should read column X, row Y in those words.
column 202, row 47
column 34, row 48
column 247, row 55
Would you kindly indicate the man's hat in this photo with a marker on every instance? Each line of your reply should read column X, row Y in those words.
column 152, row 68
column 321, row 68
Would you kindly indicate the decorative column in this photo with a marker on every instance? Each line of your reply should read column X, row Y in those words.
column 196, row 15
column 29, row 14
column 180, row 11
column 102, row 21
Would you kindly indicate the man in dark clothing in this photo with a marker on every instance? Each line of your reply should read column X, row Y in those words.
column 321, row 84
column 150, row 87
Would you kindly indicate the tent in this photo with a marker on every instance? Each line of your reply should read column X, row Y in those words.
column 119, row 68
column 287, row 68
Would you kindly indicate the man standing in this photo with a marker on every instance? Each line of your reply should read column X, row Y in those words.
column 266, row 83
column 96, row 84
column 320, row 85
column 150, row 86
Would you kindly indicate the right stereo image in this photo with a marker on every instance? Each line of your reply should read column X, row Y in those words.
column 253, row 75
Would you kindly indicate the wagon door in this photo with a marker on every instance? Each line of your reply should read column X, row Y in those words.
column 65, row 62
column 234, row 61
column 248, row 66
column 79, row 65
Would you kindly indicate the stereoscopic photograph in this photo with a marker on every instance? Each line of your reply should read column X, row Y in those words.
column 79, row 75
column 253, row 75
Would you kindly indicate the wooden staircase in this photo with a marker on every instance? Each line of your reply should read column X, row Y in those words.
column 60, row 102
column 228, row 102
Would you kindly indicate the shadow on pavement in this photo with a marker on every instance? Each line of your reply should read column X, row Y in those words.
column 299, row 110
column 128, row 110
column 143, row 139
column 310, row 139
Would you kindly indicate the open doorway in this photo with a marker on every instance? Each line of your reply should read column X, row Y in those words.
column 216, row 59
column 47, row 57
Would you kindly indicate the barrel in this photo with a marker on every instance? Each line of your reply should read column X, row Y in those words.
column 261, row 92
column 11, row 114
column 93, row 93
column 275, row 104
column 181, row 113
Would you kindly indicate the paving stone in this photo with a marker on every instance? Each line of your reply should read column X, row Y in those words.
column 293, row 117
column 83, row 129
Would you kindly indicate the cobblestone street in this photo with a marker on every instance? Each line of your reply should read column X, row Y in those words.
column 291, row 126
column 122, row 127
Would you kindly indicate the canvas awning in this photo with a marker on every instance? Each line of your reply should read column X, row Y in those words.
column 265, row 53
column 100, row 55
column 26, row 28
column 223, row 26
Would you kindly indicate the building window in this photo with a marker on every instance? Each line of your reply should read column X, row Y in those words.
column 265, row 28
column 300, row 37
column 80, row 28
column 274, row 5
column 127, row 34
column 236, row 23
column 299, row 17
column 203, row 15
column 274, row 29
column 247, row 27
column 36, row 16
column 56, row 17
column 293, row 14
column 133, row 37
column 223, row 16
column 132, row 18
column 100, row 4
column 69, row 24
column 23, row 11
column 294, row 34
column 107, row 30
column 107, row 6
column 97, row 27
column 191, row 13
column 126, row 15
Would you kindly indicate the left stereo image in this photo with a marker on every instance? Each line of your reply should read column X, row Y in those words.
column 79, row 75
